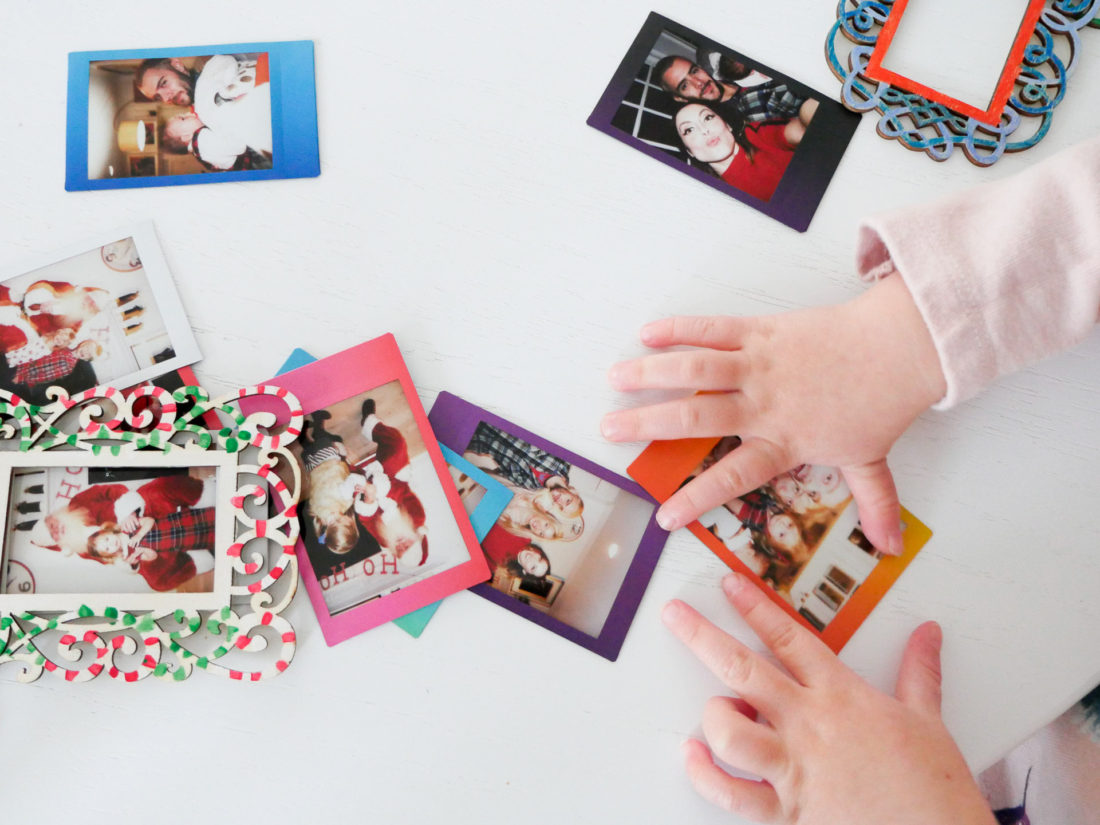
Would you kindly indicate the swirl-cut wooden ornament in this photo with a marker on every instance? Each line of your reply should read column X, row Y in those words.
column 1043, row 58
column 148, row 533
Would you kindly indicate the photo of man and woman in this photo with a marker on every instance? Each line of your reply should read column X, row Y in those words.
column 93, row 318
column 566, row 540
column 111, row 530
column 726, row 119
column 717, row 113
column 179, row 115
column 373, row 514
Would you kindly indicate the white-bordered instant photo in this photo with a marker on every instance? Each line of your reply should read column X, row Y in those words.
column 142, row 532
column 102, row 311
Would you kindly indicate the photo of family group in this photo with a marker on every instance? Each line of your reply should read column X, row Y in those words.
column 567, row 537
column 798, row 535
column 110, row 530
column 101, row 316
column 725, row 119
column 374, row 517
column 179, row 115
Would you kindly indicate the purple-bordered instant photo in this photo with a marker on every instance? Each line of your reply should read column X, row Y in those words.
column 576, row 546
column 727, row 120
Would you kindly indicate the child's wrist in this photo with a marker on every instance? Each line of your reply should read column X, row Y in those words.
column 893, row 321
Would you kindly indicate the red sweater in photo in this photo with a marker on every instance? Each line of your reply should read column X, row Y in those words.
column 760, row 176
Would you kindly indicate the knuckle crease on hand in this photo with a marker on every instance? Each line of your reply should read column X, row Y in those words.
column 695, row 368
column 729, row 477
column 785, row 638
column 736, row 667
column 689, row 417
column 707, row 328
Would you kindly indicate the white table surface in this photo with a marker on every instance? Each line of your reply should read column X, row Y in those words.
column 465, row 206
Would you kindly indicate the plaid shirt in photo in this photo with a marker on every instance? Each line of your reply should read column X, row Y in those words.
column 523, row 464
column 768, row 101
column 186, row 530
column 50, row 368
column 756, row 507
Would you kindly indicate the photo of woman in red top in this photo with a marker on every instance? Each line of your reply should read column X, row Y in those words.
column 752, row 158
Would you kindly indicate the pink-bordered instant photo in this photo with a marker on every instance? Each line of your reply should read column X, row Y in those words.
column 384, row 531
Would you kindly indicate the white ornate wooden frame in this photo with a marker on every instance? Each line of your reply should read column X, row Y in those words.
column 237, row 631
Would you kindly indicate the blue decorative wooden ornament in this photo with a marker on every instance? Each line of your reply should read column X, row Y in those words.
column 926, row 126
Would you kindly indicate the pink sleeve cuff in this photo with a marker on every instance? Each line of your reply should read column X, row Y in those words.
column 1004, row 274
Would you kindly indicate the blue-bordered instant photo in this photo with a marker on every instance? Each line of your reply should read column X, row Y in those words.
column 482, row 495
column 193, row 114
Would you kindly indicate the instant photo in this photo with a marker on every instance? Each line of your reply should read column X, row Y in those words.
column 798, row 536
column 102, row 312
column 727, row 120
column 110, row 530
column 383, row 532
column 200, row 114
column 576, row 544
column 137, row 534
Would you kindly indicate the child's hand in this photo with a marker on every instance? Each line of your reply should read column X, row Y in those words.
column 59, row 339
column 140, row 554
column 834, row 386
column 145, row 524
column 367, row 492
column 130, row 523
column 833, row 748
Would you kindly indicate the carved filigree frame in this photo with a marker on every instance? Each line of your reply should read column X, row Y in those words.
column 237, row 630
column 928, row 126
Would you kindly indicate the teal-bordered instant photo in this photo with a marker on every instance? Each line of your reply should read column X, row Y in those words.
column 193, row 114
column 485, row 499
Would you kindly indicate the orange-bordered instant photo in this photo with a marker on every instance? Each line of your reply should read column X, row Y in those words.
column 991, row 115
column 798, row 536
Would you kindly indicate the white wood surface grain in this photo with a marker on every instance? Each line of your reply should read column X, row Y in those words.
column 465, row 206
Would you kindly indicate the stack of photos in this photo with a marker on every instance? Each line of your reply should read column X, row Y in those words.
column 727, row 120
column 575, row 546
column 382, row 526
column 110, row 530
column 798, row 535
column 104, row 312
column 155, row 117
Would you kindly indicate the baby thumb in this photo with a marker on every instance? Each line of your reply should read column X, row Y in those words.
column 919, row 676
column 876, row 498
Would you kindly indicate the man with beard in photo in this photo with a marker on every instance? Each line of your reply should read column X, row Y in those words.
column 168, row 80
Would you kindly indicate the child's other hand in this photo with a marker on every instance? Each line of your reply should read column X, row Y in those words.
column 368, row 492
column 140, row 554
column 145, row 524
column 59, row 339
column 834, row 386
column 833, row 748
column 130, row 523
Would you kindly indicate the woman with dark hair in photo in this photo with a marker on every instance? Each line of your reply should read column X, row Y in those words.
column 751, row 158
column 530, row 562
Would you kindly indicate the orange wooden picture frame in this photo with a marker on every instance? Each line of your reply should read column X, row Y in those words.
column 992, row 114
